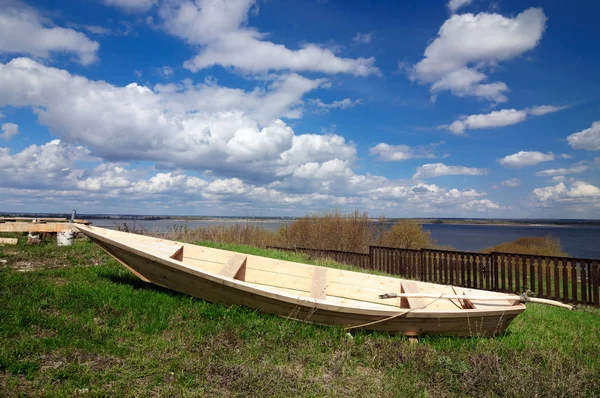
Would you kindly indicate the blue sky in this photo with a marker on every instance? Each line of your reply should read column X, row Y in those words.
column 269, row 108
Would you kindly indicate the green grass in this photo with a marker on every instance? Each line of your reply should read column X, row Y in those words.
column 86, row 326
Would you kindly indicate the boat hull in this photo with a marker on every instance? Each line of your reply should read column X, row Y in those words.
column 166, row 272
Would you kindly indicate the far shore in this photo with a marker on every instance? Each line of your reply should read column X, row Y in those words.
column 234, row 220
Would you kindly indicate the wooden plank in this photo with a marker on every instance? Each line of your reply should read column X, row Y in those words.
column 540, row 280
column 532, row 274
column 411, row 287
column 548, row 279
column 471, row 275
column 29, row 219
column 319, row 283
column 556, row 275
column 574, row 294
column 235, row 267
column 502, row 284
column 583, row 281
column 523, row 262
column 446, row 261
column 452, row 267
column 596, row 282
column 36, row 227
column 517, row 265
column 478, row 277
column 565, row 280
column 510, row 272
column 9, row 241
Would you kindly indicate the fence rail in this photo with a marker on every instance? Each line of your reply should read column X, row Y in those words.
column 570, row 280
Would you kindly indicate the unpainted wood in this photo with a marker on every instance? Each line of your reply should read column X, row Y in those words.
column 9, row 241
column 36, row 227
column 235, row 267
column 319, row 283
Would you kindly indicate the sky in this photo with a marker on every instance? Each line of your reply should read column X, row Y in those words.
column 460, row 108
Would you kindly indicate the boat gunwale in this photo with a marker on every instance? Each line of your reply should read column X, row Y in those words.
column 271, row 292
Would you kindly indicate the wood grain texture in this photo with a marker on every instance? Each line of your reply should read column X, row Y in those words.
column 343, row 298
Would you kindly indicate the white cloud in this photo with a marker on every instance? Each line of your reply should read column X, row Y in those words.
column 580, row 168
column 579, row 192
column 219, row 28
column 468, row 45
column 501, row 118
column 526, row 158
column 481, row 205
column 346, row 103
column 364, row 38
column 545, row 109
column 54, row 172
column 394, row 153
column 581, row 189
column 511, row 183
column 202, row 126
column 131, row 5
column 40, row 166
column 454, row 5
column 440, row 169
column 9, row 130
column 24, row 31
column 545, row 193
column 588, row 139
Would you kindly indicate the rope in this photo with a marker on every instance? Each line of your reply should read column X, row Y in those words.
column 393, row 316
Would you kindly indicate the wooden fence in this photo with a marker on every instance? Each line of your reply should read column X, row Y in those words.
column 570, row 280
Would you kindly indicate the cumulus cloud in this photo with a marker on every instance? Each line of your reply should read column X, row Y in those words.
column 468, row 45
column 220, row 30
column 194, row 126
column 527, row 158
column 439, row 169
column 9, row 130
column 454, row 5
column 511, row 183
column 39, row 166
column 501, row 118
column 588, row 139
column 481, row 205
column 578, row 192
column 56, row 172
column 394, row 153
column 24, row 31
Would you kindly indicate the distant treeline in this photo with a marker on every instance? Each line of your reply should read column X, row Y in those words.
column 354, row 232
column 464, row 221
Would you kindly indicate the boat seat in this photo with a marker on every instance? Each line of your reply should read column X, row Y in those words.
column 161, row 249
column 410, row 287
column 235, row 267
column 319, row 283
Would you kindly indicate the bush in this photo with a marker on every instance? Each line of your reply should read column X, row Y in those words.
column 536, row 245
column 353, row 232
column 407, row 234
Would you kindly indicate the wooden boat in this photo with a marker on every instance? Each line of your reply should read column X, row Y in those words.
column 304, row 292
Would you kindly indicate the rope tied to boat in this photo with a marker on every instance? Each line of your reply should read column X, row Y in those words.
column 522, row 298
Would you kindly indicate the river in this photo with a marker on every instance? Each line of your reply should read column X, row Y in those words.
column 578, row 241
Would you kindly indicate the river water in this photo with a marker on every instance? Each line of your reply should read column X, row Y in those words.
column 578, row 241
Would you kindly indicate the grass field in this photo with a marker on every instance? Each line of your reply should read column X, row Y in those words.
column 73, row 322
